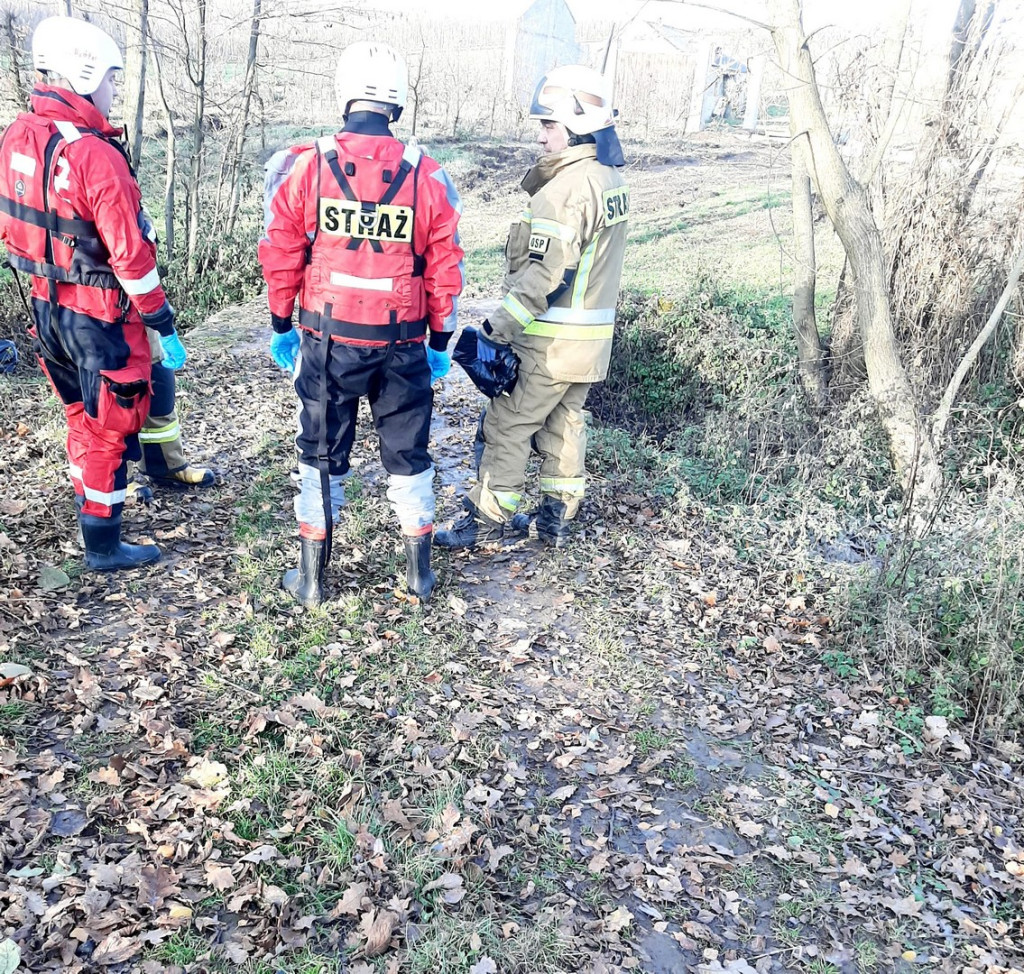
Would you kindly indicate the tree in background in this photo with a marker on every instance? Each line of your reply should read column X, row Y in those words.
column 921, row 269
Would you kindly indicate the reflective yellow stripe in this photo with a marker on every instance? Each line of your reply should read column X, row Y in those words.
column 551, row 329
column 515, row 308
column 563, row 485
column 525, row 216
column 580, row 316
column 508, row 500
column 583, row 273
column 552, row 229
column 161, row 434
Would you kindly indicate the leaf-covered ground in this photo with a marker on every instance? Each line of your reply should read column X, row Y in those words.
column 647, row 752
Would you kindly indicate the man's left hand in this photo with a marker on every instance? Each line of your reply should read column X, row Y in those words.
column 174, row 352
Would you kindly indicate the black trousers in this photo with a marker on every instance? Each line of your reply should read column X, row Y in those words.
column 395, row 382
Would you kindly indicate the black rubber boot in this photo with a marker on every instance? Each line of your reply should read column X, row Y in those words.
column 418, row 576
column 306, row 583
column 550, row 521
column 474, row 528
column 104, row 549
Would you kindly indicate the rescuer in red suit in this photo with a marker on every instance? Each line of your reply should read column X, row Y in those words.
column 361, row 233
column 71, row 217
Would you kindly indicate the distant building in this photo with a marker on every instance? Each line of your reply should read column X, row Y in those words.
column 541, row 34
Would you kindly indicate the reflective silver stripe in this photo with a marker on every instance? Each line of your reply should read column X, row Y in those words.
column 579, row 316
column 364, row 283
column 75, row 470
column 142, row 285
column 326, row 143
column 109, row 498
column 26, row 165
column 412, row 155
column 66, row 129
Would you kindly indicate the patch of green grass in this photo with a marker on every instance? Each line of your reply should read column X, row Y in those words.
column 821, row 966
column 266, row 781
column 336, row 843
column 183, row 948
column 868, row 953
column 447, row 944
column 257, row 509
column 649, row 741
column 682, row 773
column 485, row 263
column 12, row 715
column 215, row 734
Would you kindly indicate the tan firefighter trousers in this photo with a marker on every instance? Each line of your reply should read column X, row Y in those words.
column 541, row 413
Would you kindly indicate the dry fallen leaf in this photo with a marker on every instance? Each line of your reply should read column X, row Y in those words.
column 376, row 930
column 10, row 956
column 618, row 920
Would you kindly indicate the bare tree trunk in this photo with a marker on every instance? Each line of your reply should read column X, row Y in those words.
column 243, row 118
column 847, row 206
column 13, row 56
column 171, row 161
column 135, row 78
column 810, row 354
column 941, row 418
column 195, row 67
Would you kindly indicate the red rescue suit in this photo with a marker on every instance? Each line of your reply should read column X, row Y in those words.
column 362, row 230
column 71, row 216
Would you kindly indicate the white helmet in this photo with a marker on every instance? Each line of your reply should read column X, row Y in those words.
column 577, row 96
column 368, row 71
column 76, row 50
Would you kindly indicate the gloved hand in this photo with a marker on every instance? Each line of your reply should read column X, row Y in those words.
column 174, row 351
column 284, row 346
column 439, row 362
column 486, row 350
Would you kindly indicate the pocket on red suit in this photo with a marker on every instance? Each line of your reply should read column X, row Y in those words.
column 122, row 401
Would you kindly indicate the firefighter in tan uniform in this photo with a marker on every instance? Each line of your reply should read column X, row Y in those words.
column 558, row 314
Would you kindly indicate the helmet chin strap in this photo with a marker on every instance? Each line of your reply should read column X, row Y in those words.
column 580, row 139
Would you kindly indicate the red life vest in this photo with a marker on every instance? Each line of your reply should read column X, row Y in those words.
column 40, row 242
column 363, row 281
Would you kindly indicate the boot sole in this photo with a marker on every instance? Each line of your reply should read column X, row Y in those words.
column 120, row 568
column 179, row 485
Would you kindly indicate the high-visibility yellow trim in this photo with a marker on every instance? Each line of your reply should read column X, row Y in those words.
column 551, row 228
column 583, row 273
column 563, row 485
column 161, row 434
column 508, row 500
column 525, row 217
column 516, row 308
column 579, row 316
column 551, row 329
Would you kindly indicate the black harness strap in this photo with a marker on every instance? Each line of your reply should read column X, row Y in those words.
column 51, row 222
column 394, row 331
column 323, row 459
column 66, row 226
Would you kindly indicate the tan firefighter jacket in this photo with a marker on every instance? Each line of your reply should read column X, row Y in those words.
column 564, row 264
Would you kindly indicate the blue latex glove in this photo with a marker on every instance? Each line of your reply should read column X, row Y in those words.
column 174, row 351
column 284, row 346
column 486, row 350
column 439, row 362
